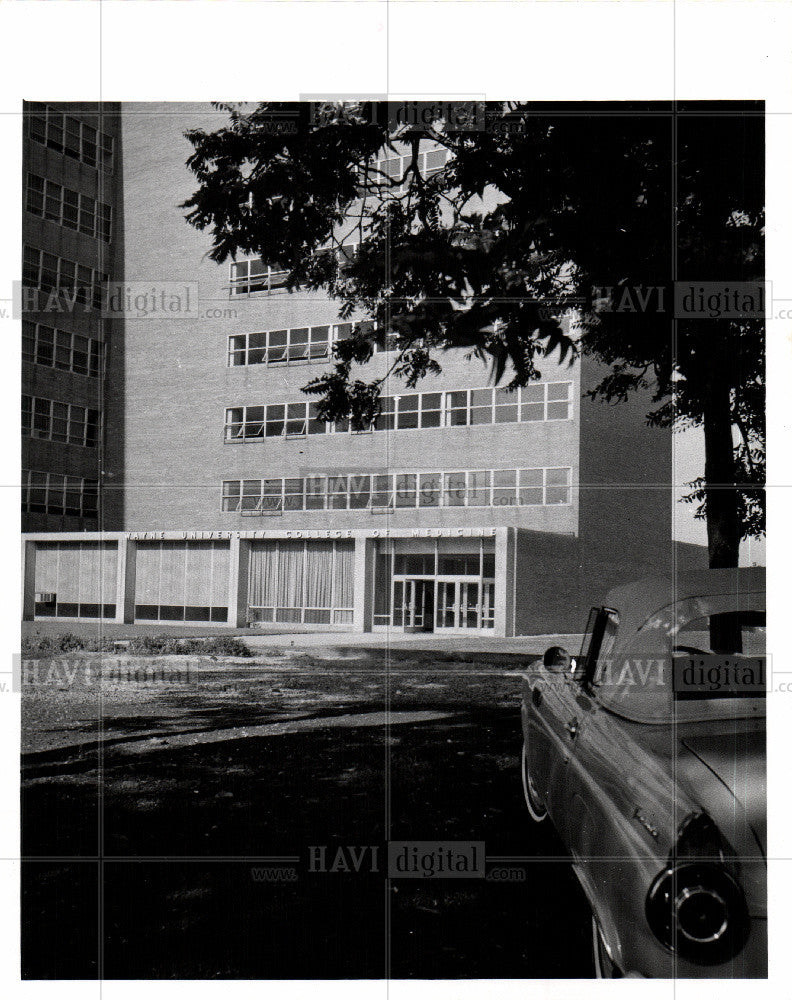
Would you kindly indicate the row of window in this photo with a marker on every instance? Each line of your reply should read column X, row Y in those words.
column 70, row 136
column 254, row 275
column 542, row 401
column 52, row 493
column 47, row 273
column 296, row 345
column 480, row 488
column 64, row 422
column 68, row 208
column 68, row 352
column 430, row 161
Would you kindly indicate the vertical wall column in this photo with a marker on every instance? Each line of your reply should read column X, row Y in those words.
column 505, row 582
column 364, row 584
column 238, row 568
column 28, row 581
column 121, row 581
column 125, row 581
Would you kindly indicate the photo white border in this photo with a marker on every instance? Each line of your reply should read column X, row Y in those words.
column 251, row 49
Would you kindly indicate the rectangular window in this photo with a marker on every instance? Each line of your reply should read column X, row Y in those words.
column 337, row 492
column 532, row 404
column 234, row 423
column 63, row 354
column 295, row 346
column 271, row 495
column 356, row 491
column 293, row 494
column 79, row 359
column 454, row 489
column 359, row 492
column 277, row 344
column 457, row 409
column 406, row 492
column 557, row 486
column 428, row 410
column 71, row 137
column 407, row 412
column 250, row 496
column 531, row 487
column 28, row 341
column 319, row 340
column 298, row 345
column 35, row 194
column 506, row 406
column 558, row 400
column 481, row 406
column 296, row 418
column 386, row 421
column 53, row 202
column 256, row 348
column 382, row 491
column 53, row 493
column 88, row 148
column 67, row 424
column 106, row 152
column 73, row 209
column 504, row 488
column 250, row 276
column 478, row 489
column 429, row 489
column 104, row 228
column 315, row 492
column 231, row 495
column 27, row 414
column 75, row 138
column 276, row 414
column 37, row 123
column 62, row 422
column 47, row 273
column 87, row 216
column 237, row 351
column 315, row 424
column 45, row 346
column 254, row 422
column 431, row 409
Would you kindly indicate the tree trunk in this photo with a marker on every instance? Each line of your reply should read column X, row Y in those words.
column 723, row 516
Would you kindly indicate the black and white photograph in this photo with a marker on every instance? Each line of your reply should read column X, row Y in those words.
column 393, row 536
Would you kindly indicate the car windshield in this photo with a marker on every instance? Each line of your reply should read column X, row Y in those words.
column 699, row 658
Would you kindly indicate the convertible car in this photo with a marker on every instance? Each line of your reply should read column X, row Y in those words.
column 647, row 753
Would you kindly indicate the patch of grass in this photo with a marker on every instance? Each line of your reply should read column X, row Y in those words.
column 164, row 645
column 55, row 645
column 148, row 645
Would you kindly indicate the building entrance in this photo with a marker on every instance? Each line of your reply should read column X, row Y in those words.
column 464, row 604
column 413, row 604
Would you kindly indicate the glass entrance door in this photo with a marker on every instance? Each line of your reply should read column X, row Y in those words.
column 413, row 605
column 458, row 604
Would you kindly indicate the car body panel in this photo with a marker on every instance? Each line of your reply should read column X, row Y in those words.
column 618, row 791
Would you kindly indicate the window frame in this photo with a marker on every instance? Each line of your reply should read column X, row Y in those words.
column 403, row 490
column 50, row 127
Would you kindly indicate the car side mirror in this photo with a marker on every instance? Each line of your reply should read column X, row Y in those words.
column 558, row 660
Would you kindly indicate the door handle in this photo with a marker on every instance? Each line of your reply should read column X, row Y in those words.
column 572, row 728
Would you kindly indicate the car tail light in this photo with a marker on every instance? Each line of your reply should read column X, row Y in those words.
column 694, row 906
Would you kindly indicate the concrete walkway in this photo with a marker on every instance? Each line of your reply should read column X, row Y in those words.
column 284, row 637
column 533, row 644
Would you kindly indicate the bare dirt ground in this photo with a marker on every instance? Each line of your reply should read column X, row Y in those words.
column 155, row 792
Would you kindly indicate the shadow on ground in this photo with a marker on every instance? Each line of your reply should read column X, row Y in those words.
column 184, row 832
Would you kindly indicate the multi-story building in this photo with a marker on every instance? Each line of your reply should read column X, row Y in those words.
column 465, row 507
column 71, row 167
